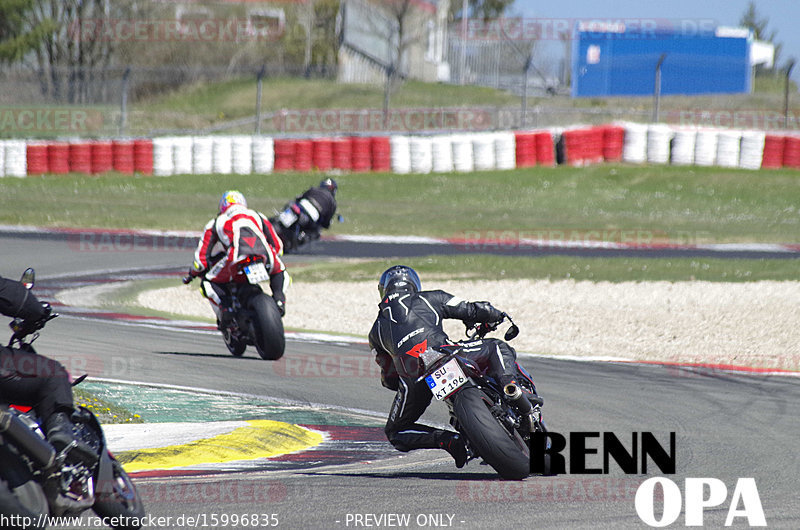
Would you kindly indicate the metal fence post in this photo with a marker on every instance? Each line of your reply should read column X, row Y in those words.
column 123, row 114
column 657, row 89
column 258, row 98
column 789, row 67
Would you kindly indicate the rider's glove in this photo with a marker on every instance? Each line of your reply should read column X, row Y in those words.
column 486, row 312
column 28, row 326
column 281, row 307
column 194, row 271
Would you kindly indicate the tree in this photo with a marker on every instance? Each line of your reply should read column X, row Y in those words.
column 47, row 37
column 318, row 20
column 326, row 44
column 404, row 31
column 752, row 20
column 483, row 9
column 18, row 35
column 387, row 29
column 68, row 60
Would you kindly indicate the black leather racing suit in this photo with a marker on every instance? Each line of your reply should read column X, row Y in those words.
column 408, row 324
column 27, row 378
column 323, row 207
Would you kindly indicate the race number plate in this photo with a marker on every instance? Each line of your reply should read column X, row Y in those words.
column 287, row 217
column 256, row 273
column 446, row 379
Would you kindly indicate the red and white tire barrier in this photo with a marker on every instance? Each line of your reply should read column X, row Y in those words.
column 440, row 153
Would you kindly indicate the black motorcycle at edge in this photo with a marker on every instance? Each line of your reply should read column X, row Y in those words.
column 287, row 224
column 37, row 481
column 494, row 421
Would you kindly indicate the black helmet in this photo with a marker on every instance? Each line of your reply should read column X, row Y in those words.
column 330, row 184
column 398, row 278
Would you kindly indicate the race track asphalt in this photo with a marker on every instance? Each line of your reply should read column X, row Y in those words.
column 727, row 425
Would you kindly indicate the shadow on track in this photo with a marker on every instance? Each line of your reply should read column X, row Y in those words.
column 212, row 355
column 490, row 475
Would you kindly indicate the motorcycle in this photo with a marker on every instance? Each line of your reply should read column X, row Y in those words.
column 256, row 320
column 495, row 422
column 37, row 481
column 295, row 228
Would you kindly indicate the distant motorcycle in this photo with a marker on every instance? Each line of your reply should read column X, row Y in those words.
column 256, row 319
column 291, row 228
column 37, row 481
column 495, row 423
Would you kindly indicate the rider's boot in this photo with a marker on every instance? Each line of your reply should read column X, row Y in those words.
column 225, row 319
column 454, row 444
column 61, row 434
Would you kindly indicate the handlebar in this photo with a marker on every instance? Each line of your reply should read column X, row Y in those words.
column 481, row 329
column 22, row 328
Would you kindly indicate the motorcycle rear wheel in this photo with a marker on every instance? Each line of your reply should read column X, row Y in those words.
column 19, row 493
column 506, row 452
column 267, row 327
column 124, row 503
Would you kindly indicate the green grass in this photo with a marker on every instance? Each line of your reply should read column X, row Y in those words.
column 772, row 84
column 204, row 104
column 662, row 203
column 106, row 411
column 485, row 267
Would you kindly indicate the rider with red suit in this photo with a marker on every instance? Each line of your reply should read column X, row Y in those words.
column 237, row 232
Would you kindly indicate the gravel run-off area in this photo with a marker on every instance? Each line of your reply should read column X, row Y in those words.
column 747, row 324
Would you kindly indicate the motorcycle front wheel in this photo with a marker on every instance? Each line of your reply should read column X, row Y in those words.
column 123, row 504
column 505, row 451
column 234, row 345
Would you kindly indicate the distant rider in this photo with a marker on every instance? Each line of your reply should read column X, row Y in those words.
column 317, row 206
column 237, row 232
column 27, row 378
column 410, row 321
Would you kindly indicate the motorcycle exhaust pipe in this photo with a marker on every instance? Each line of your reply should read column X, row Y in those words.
column 514, row 393
column 31, row 443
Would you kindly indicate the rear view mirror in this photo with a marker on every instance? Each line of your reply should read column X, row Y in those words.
column 28, row 278
column 511, row 332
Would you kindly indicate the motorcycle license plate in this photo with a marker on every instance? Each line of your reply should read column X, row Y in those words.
column 256, row 273
column 287, row 217
column 446, row 379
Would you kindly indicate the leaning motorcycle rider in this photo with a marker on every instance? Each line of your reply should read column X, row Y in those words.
column 237, row 232
column 410, row 321
column 27, row 378
column 317, row 206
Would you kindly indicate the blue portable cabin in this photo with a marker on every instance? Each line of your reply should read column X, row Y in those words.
column 615, row 60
